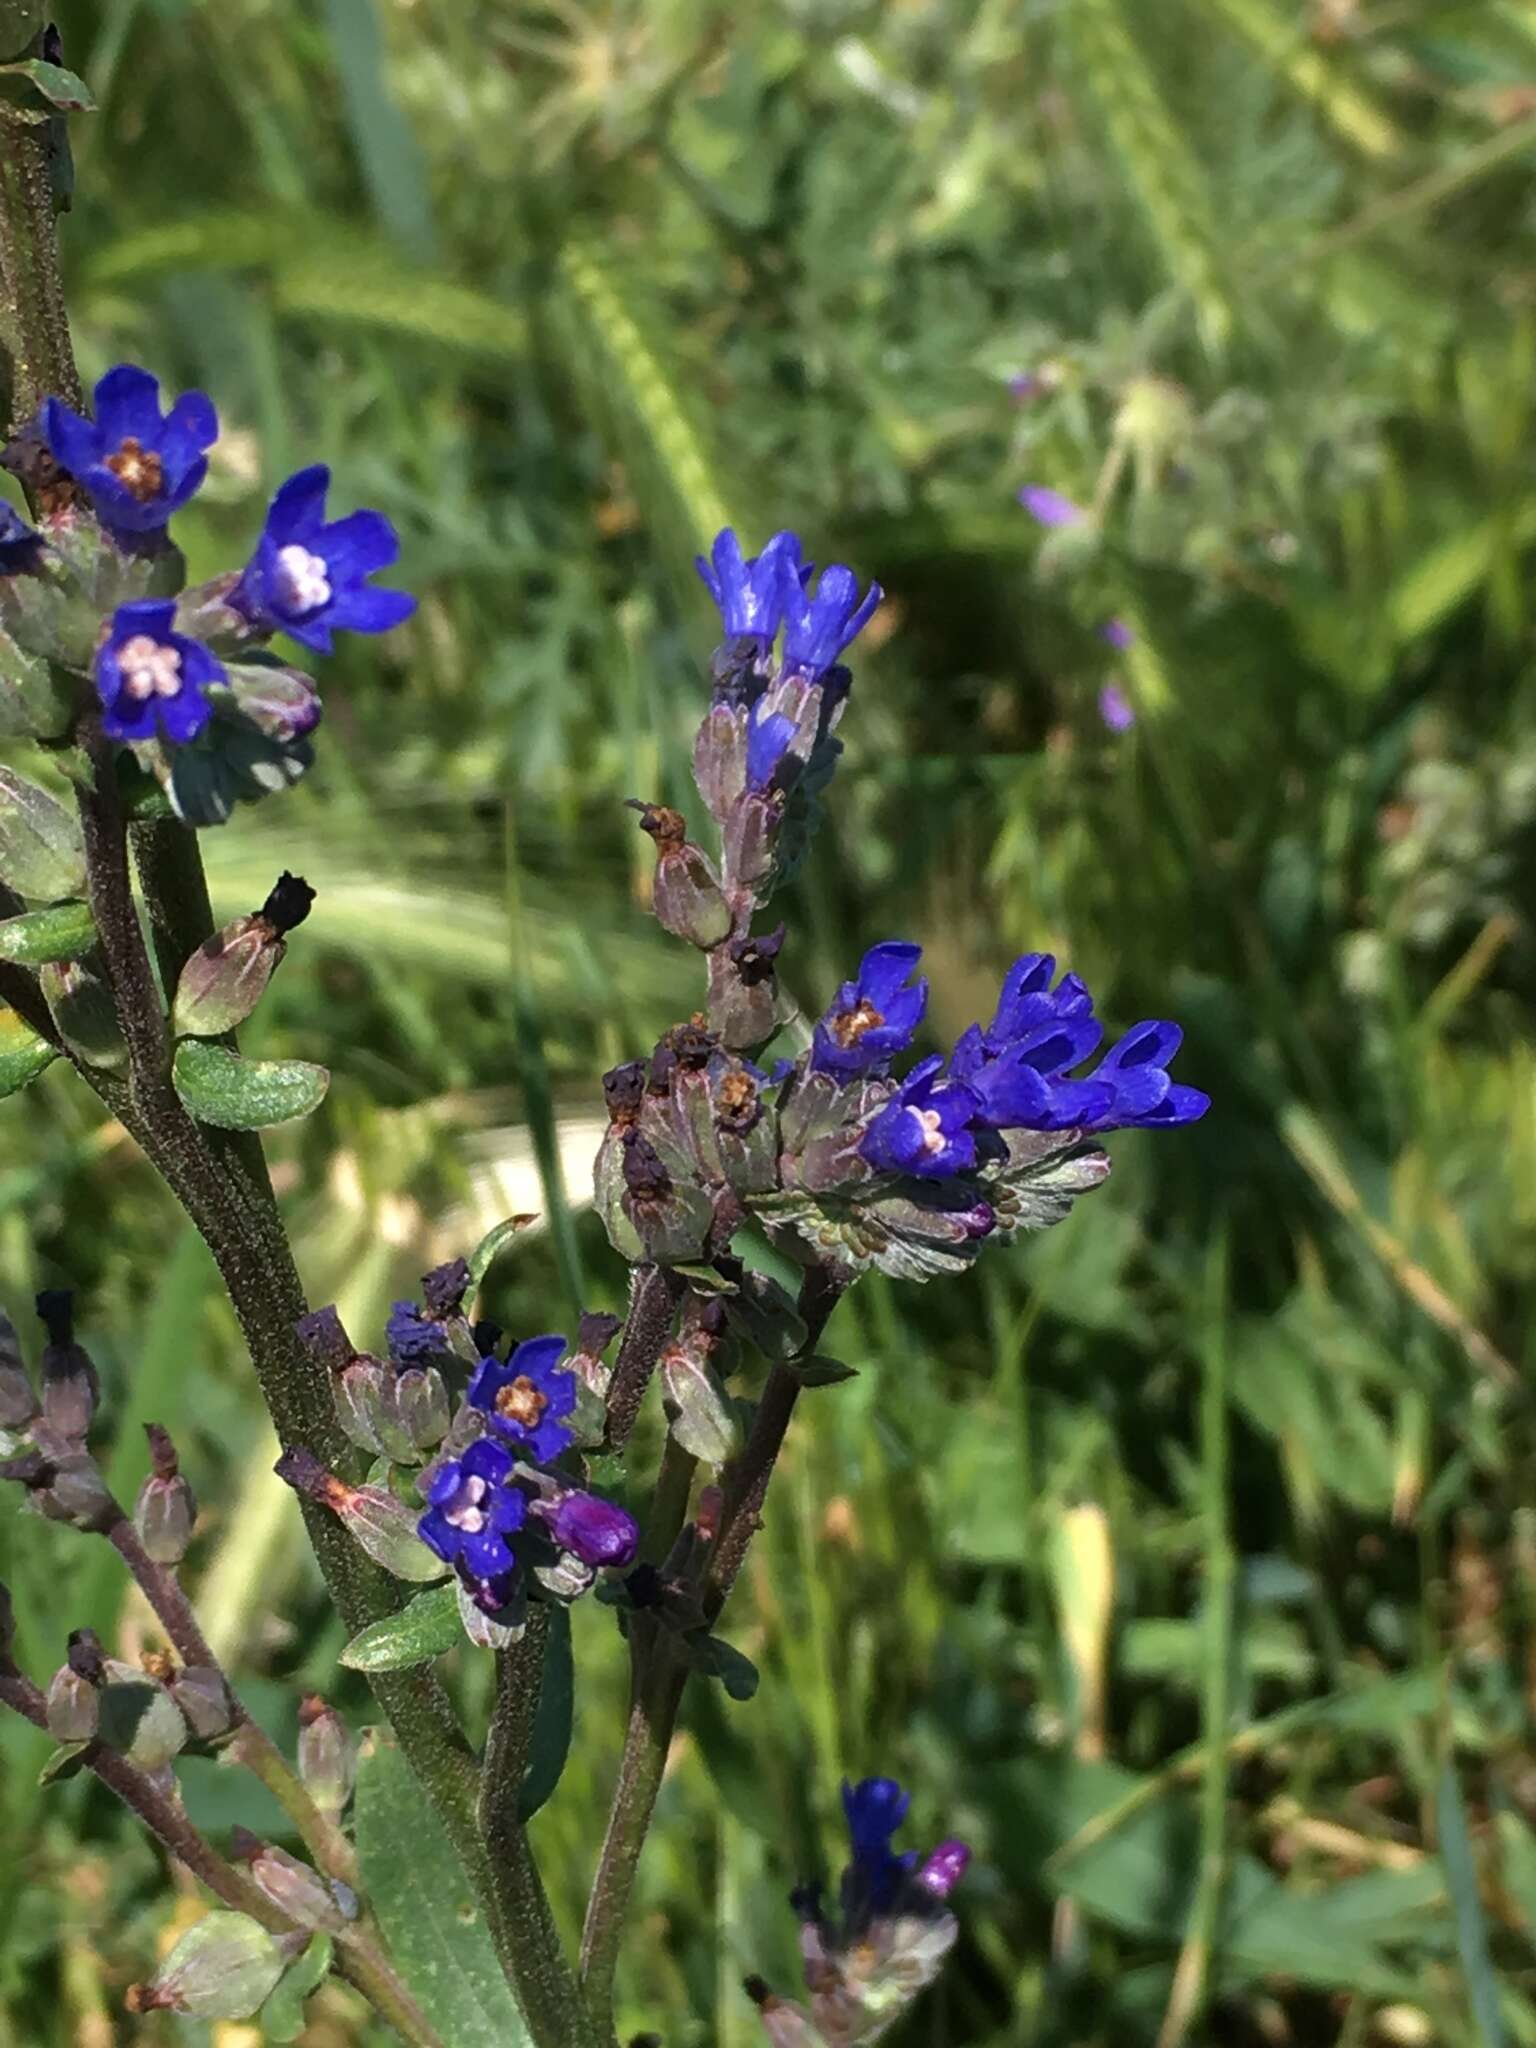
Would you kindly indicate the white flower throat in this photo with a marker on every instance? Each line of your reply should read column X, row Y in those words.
column 303, row 580
column 149, row 668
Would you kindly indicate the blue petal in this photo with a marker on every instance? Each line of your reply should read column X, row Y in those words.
column 149, row 615
column 191, row 425
column 358, row 545
column 439, row 1534
column 184, row 715
column 488, row 1460
column 127, row 404
column 884, row 968
column 297, row 511
column 364, row 610
column 72, row 441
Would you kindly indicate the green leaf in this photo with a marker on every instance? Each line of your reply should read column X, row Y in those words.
column 35, row 91
column 63, row 1764
column 714, row 1657
column 282, row 2017
column 817, row 1371
column 493, row 1244
column 219, row 1087
column 416, row 1886
column 62, row 933
column 697, row 1407
column 23, row 1053
column 42, row 855
column 425, row 1628
column 551, row 1742
column 1471, row 1924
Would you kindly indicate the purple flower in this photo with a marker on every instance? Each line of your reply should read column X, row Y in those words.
column 309, row 578
column 473, row 1510
column 1027, row 999
column 925, row 1127
column 1143, row 1096
column 1049, row 507
column 1024, row 385
column 873, row 1017
column 20, row 544
column 137, row 466
column 874, row 1809
column 525, row 1398
column 1025, row 1086
column 943, row 1869
column 819, row 624
column 1117, row 634
column 594, row 1530
column 153, row 680
column 750, row 594
column 1116, row 709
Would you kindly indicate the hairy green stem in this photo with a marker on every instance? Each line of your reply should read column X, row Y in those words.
column 546, row 1987
column 36, row 355
column 660, row 1673
column 654, row 1292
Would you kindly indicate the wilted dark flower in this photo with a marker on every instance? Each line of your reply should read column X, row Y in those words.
column 21, row 546
column 137, row 465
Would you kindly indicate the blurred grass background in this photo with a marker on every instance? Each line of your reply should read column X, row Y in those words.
column 1185, row 1562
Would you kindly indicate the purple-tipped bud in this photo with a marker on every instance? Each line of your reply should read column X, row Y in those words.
column 165, row 1510
column 62, row 1481
column 18, row 1403
column 944, row 1868
column 203, row 1697
column 594, row 1530
column 70, row 1386
column 379, row 1522
column 686, row 894
column 74, row 1691
column 327, row 1756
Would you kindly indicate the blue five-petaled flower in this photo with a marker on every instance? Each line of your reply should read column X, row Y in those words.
column 873, row 1017
column 137, row 465
column 152, row 680
column 309, row 577
column 473, row 1511
column 526, row 1397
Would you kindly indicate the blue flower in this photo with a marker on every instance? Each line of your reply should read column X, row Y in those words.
column 819, row 624
column 770, row 736
column 1027, row 999
column 137, row 465
column 874, row 1808
column 473, row 1510
column 750, row 594
column 873, row 1017
column 1136, row 1072
column 595, row 1530
column 1116, row 710
column 308, row 578
column 925, row 1127
column 152, row 680
column 20, row 544
column 524, row 1398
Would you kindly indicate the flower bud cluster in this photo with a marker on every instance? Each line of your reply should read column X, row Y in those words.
column 90, row 622
column 867, row 1962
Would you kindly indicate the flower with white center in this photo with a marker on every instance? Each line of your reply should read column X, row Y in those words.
column 301, row 582
column 152, row 680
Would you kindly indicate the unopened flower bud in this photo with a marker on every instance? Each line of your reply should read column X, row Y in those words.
column 18, row 1403
column 224, row 1968
column 70, row 1386
column 302, row 1893
column 139, row 1719
column 670, row 1218
column 379, row 1522
column 327, row 1756
column 80, row 1002
column 62, row 1481
column 417, row 1401
column 74, row 1693
column 203, row 1697
column 165, row 1509
column 786, row 2024
column 686, row 895
column 359, row 1394
column 593, row 1529
column 720, row 757
column 751, row 834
